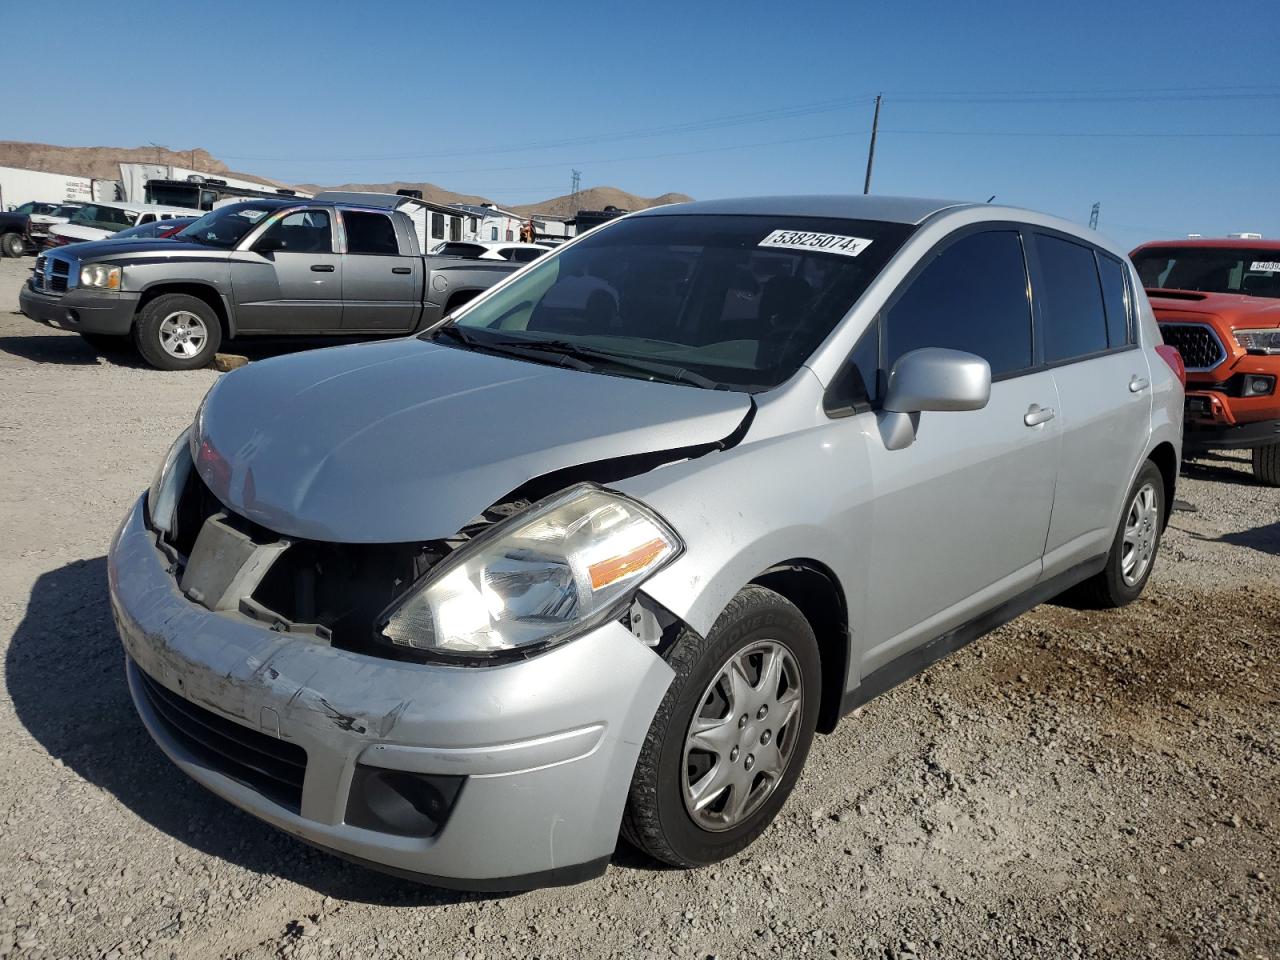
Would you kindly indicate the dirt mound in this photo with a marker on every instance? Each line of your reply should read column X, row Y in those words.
column 103, row 162
column 597, row 198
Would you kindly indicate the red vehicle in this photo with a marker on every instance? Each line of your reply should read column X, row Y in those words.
column 1218, row 303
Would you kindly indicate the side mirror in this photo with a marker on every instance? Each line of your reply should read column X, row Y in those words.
column 931, row 379
column 268, row 244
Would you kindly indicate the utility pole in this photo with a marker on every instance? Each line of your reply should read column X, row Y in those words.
column 871, row 151
column 1093, row 216
column 575, row 180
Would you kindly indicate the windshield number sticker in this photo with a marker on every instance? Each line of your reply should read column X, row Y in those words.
column 1265, row 266
column 821, row 242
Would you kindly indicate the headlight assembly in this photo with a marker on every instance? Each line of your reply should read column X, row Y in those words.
column 162, row 495
column 562, row 566
column 100, row 276
column 1259, row 341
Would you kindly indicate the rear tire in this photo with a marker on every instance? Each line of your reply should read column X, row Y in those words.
column 698, row 797
column 1266, row 464
column 12, row 245
column 176, row 331
column 1133, row 551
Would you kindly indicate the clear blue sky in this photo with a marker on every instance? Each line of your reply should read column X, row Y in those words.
column 627, row 93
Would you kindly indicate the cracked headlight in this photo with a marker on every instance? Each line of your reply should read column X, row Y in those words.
column 560, row 567
column 100, row 276
column 167, row 484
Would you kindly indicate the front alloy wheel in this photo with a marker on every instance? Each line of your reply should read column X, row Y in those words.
column 730, row 737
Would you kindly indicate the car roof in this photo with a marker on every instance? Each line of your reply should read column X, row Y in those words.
column 1214, row 243
column 911, row 210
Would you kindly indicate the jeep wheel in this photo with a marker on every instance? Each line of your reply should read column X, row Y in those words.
column 1133, row 551
column 176, row 331
column 729, row 739
column 12, row 245
column 1266, row 464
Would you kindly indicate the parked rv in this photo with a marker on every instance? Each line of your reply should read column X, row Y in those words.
column 204, row 193
column 265, row 266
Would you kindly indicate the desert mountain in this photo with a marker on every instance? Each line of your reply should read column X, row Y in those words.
column 103, row 162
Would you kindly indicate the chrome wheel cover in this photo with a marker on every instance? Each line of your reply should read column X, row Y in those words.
column 743, row 735
column 1138, row 542
column 183, row 334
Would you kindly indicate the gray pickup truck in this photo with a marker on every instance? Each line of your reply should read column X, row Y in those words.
column 261, row 267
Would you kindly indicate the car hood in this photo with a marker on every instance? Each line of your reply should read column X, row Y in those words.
column 115, row 249
column 406, row 440
column 1232, row 310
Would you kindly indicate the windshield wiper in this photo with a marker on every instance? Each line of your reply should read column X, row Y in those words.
column 663, row 371
column 509, row 347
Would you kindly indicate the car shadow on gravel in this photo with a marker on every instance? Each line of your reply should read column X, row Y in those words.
column 67, row 350
column 1238, row 472
column 1264, row 539
column 64, row 671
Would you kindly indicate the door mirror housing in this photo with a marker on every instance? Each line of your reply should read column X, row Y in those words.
column 268, row 244
column 931, row 379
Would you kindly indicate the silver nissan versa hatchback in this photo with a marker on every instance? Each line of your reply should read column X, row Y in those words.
column 603, row 550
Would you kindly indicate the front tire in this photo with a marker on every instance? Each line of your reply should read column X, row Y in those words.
column 176, row 331
column 731, row 735
column 1133, row 551
column 12, row 245
column 1266, row 464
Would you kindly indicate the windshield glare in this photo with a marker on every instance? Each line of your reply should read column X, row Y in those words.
column 226, row 226
column 1252, row 272
column 740, row 301
column 103, row 218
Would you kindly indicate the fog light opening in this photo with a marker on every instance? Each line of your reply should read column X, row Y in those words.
column 400, row 802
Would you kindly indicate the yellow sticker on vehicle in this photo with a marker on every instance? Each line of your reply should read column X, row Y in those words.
column 817, row 242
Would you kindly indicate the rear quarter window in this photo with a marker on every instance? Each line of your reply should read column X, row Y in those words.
column 1115, row 298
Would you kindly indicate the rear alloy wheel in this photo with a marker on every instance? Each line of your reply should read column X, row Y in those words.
column 1133, row 550
column 729, row 740
column 176, row 331
column 12, row 245
column 1266, row 464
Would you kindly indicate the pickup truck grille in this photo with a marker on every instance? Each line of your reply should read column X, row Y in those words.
column 1199, row 345
column 51, row 275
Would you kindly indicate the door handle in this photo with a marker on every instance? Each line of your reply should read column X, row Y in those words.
column 1137, row 384
column 322, row 268
column 1037, row 415
column 401, row 270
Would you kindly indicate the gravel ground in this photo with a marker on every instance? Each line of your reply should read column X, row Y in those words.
column 1076, row 784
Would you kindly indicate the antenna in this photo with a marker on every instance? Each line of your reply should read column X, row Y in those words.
column 871, row 150
column 1093, row 216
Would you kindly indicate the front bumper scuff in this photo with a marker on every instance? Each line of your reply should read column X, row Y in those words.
column 547, row 745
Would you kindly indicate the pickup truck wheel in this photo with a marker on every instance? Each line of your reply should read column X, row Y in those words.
column 731, row 735
column 12, row 245
column 176, row 331
column 1266, row 464
column 1133, row 551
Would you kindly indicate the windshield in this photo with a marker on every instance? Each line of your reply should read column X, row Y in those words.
column 734, row 302
column 1251, row 272
column 226, row 226
column 172, row 194
column 103, row 218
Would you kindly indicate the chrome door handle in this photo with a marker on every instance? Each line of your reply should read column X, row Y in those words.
column 1137, row 384
column 1037, row 415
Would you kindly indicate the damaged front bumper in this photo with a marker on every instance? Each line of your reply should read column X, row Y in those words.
column 490, row 778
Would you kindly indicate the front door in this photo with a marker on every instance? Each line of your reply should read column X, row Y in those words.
column 381, row 278
column 291, row 280
column 960, row 516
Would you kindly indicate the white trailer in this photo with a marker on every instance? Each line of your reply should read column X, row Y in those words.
column 17, row 186
column 134, row 177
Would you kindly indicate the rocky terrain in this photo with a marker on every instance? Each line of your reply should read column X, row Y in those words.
column 1075, row 785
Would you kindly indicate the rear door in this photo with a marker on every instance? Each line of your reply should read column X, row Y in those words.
column 960, row 515
column 296, row 288
column 381, row 277
column 1087, row 338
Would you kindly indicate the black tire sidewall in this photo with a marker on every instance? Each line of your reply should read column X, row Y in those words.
column 1266, row 464
column 146, row 331
column 12, row 245
column 782, row 623
column 1121, row 592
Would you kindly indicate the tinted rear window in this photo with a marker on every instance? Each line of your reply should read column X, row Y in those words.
column 1075, row 320
column 1116, row 299
column 370, row 233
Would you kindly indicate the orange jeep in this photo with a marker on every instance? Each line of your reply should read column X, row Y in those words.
column 1218, row 303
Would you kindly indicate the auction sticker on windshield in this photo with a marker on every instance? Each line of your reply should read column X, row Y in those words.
column 821, row 242
column 1265, row 266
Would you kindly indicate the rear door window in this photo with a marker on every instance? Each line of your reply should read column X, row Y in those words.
column 972, row 296
column 1075, row 320
column 1115, row 298
column 371, row 233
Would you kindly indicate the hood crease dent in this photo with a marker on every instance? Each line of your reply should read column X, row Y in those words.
column 406, row 440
